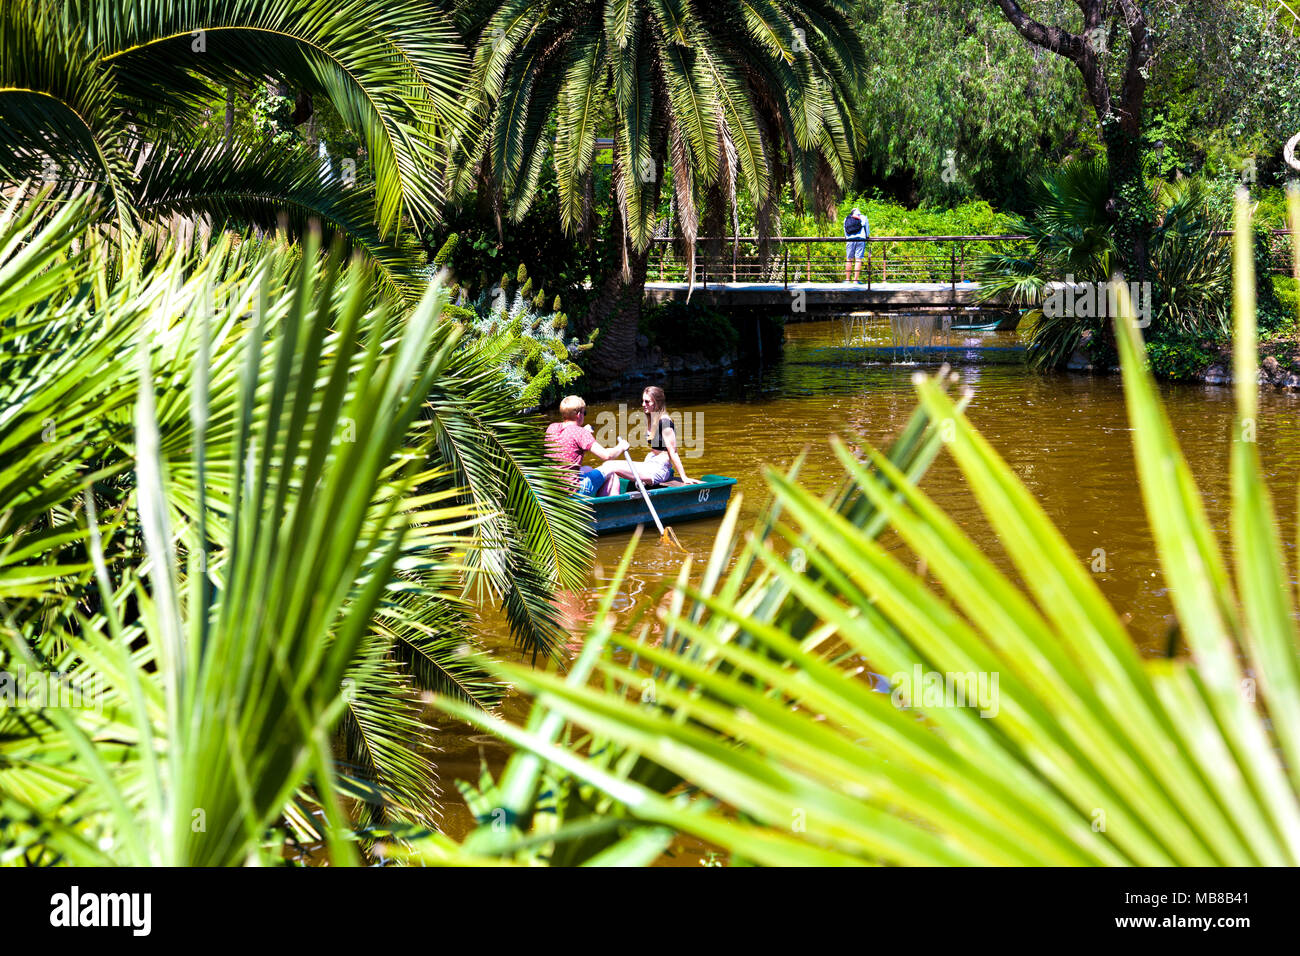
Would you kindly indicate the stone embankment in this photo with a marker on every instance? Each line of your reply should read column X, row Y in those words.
column 1271, row 372
column 1279, row 365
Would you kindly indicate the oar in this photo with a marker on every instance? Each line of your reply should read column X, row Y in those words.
column 666, row 535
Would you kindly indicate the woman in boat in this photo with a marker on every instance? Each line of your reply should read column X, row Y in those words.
column 661, row 435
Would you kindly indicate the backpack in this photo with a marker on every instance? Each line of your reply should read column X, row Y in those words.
column 856, row 232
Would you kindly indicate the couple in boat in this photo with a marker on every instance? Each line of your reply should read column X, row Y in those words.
column 571, row 437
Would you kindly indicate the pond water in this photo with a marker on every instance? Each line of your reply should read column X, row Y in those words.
column 1065, row 434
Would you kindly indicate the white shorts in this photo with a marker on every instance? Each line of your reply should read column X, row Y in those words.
column 657, row 469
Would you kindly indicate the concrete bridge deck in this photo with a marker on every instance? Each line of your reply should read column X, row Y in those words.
column 838, row 297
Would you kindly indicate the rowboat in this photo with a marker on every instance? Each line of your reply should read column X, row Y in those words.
column 673, row 500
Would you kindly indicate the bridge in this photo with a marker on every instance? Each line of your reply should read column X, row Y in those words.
column 805, row 274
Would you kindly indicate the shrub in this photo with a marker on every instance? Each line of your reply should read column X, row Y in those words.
column 1288, row 296
column 527, row 343
column 1179, row 360
column 1071, row 234
column 443, row 255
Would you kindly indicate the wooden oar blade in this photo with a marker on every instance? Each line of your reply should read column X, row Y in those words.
column 669, row 538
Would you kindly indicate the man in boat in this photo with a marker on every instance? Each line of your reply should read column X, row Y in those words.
column 661, row 435
column 856, row 230
column 570, row 438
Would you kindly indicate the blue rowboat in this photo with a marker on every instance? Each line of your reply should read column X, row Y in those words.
column 673, row 501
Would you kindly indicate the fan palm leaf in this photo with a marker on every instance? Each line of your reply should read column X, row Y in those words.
column 222, row 690
column 242, row 374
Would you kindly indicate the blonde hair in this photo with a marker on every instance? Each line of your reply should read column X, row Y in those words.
column 571, row 406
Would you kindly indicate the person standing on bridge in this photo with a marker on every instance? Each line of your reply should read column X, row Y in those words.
column 856, row 230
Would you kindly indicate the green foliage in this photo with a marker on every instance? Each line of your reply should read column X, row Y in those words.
column 443, row 256
column 241, row 187
column 526, row 344
column 458, row 313
column 1072, row 239
column 556, row 261
column 93, row 90
column 269, row 115
column 1271, row 211
column 1178, row 359
column 302, row 439
column 1273, row 317
column 730, row 98
column 1226, row 82
column 1287, row 291
column 890, row 218
column 682, row 328
column 947, row 78
column 221, row 627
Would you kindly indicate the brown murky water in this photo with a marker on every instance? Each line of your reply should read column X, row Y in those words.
column 1066, row 435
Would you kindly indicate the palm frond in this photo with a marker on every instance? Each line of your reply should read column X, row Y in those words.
column 391, row 69
column 58, row 118
column 268, row 188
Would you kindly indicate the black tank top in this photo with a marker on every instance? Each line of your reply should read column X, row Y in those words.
column 656, row 438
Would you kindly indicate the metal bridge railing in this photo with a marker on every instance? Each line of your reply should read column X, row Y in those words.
column 821, row 259
column 888, row 259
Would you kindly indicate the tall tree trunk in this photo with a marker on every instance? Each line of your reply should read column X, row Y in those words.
column 1129, row 204
column 616, row 310
column 1120, row 113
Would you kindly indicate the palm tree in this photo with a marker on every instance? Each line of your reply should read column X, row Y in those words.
column 207, row 562
column 1071, row 239
column 726, row 96
column 103, row 96
column 233, row 339
column 1083, row 752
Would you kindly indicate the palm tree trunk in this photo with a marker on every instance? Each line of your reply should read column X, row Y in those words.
column 1128, row 203
column 616, row 311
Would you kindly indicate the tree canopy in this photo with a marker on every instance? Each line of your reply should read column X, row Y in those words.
column 965, row 88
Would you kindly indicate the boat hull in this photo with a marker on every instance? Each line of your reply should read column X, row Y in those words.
column 674, row 503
